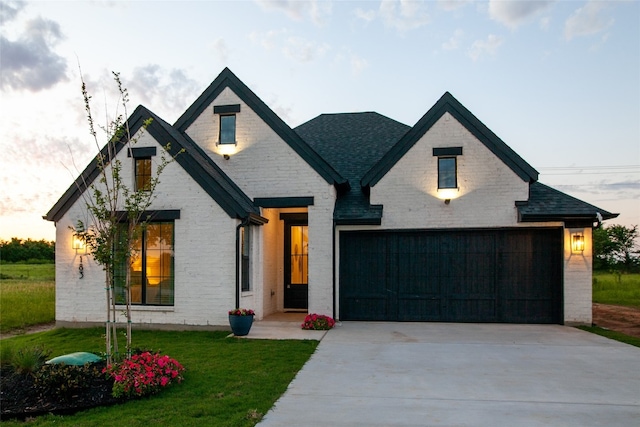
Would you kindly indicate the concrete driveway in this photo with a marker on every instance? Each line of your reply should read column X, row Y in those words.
column 439, row 374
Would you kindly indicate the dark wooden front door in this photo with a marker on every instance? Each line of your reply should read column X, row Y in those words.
column 510, row 276
column 296, row 262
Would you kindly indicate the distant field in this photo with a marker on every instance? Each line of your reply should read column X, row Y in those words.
column 26, row 303
column 10, row 271
column 607, row 290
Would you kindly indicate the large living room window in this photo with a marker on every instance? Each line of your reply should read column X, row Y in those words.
column 151, row 266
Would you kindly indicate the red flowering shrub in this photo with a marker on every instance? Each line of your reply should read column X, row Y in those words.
column 144, row 374
column 241, row 312
column 318, row 322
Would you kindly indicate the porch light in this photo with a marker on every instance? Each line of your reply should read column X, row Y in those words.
column 78, row 245
column 226, row 150
column 577, row 243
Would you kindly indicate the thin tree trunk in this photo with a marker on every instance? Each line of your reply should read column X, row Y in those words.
column 108, row 326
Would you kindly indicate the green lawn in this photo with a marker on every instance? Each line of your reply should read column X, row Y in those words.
column 26, row 303
column 228, row 381
column 18, row 271
column 607, row 289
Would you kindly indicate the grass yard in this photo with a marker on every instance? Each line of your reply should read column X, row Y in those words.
column 228, row 381
column 17, row 271
column 26, row 303
column 607, row 290
column 27, row 295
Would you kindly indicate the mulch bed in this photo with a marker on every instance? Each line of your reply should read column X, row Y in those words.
column 21, row 398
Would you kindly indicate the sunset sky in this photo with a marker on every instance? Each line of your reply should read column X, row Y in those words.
column 558, row 81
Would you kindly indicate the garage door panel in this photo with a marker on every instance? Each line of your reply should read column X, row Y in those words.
column 452, row 275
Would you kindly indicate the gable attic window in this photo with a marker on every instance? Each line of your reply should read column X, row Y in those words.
column 447, row 166
column 227, row 122
column 142, row 166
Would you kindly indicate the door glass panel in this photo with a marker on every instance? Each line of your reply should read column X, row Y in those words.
column 299, row 254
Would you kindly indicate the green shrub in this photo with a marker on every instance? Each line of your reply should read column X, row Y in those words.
column 29, row 359
column 66, row 381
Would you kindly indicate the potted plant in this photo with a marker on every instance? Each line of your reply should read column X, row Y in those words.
column 241, row 320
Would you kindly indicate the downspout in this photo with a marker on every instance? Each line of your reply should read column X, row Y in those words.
column 244, row 223
column 333, row 266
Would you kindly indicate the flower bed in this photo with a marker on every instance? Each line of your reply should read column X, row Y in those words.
column 318, row 322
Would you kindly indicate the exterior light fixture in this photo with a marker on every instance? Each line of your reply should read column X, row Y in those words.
column 78, row 244
column 577, row 243
column 447, row 201
column 226, row 156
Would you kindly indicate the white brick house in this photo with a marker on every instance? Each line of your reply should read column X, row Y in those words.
column 352, row 215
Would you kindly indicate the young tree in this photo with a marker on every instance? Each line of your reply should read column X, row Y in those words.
column 116, row 212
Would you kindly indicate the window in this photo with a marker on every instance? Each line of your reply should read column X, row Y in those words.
column 143, row 173
column 228, row 129
column 245, row 250
column 151, row 267
column 227, row 114
column 447, row 172
column 447, row 166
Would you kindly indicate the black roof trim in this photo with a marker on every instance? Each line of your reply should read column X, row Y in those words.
column 283, row 202
column 227, row 79
column 195, row 162
column 91, row 172
column 448, row 104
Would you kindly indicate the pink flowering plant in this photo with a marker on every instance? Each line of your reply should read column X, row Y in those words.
column 242, row 312
column 144, row 374
column 318, row 322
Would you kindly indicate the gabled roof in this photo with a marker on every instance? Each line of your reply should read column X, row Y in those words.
column 548, row 204
column 228, row 79
column 448, row 104
column 352, row 143
column 197, row 164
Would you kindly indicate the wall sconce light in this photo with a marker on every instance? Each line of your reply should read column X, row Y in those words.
column 577, row 243
column 226, row 156
column 447, row 201
column 79, row 246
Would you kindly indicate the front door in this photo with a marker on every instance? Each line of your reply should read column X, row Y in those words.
column 296, row 262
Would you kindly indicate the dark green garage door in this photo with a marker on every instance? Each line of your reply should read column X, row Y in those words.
column 512, row 276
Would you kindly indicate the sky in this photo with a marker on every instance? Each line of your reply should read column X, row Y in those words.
column 557, row 81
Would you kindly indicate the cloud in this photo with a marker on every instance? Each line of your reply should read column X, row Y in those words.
column 29, row 62
column 302, row 50
column 450, row 5
column 366, row 15
column 404, row 15
column 267, row 40
column 587, row 20
column 454, row 42
column 317, row 10
column 168, row 91
column 358, row 64
column 514, row 13
column 484, row 47
column 10, row 9
column 221, row 50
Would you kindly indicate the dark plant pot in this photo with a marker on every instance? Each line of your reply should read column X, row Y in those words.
column 240, row 325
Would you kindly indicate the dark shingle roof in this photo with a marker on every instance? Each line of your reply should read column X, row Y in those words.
column 203, row 170
column 352, row 143
column 227, row 79
column 548, row 204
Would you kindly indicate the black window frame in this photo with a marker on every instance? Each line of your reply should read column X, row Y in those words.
column 447, row 154
column 143, row 179
column 225, row 112
column 120, row 270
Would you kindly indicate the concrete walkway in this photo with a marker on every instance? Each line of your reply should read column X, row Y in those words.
column 438, row 374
